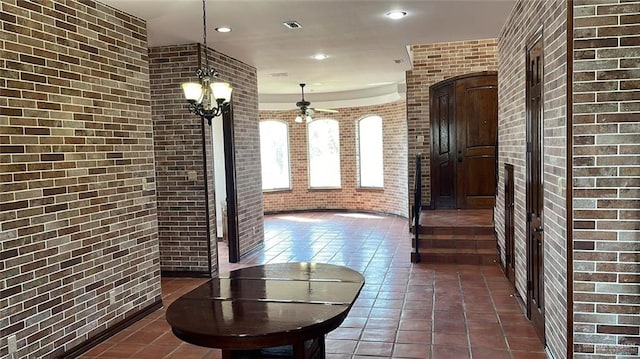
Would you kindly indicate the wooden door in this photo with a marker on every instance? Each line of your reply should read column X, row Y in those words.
column 464, row 126
column 477, row 119
column 534, row 186
column 443, row 146
column 509, row 228
column 230, row 182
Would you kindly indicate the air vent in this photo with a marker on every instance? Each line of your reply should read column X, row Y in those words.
column 292, row 24
column 279, row 74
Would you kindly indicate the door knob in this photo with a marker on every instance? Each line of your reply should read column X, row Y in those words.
column 538, row 229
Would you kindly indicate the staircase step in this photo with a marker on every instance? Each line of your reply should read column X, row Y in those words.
column 457, row 241
column 459, row 237
column 456, row 236
column 457, row 256
column 470, row 230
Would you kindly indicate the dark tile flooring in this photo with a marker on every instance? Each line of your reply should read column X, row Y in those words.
column 405, row 310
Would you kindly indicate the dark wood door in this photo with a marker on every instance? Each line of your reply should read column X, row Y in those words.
column 509, row 228
column 535, row 234
column 230, row 183
column 443, row 146
column 477, row 119
column 464, row 125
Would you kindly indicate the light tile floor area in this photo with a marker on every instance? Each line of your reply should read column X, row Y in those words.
column 405, row 310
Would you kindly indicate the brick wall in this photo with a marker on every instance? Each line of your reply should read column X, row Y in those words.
column 433, row 63
column 184, row 242
column 78, row 207
column 606, row 170
column 182, row 223
column 391, row 199
column 244, row 80
column 525, row 20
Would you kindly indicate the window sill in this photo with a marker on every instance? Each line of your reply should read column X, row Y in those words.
column 370, row 189
column 276, row 190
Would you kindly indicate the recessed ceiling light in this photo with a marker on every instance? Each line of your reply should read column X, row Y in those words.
column 396, row 14
column 223, row 29
column 320, row 56
column 292, row 24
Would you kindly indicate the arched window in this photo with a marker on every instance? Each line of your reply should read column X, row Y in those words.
column 370, row 158
column 274, row 155
column 324, row 153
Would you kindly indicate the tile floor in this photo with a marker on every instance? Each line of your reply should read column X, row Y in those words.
column 405, row 310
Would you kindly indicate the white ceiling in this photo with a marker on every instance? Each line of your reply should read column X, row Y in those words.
column 363, row 45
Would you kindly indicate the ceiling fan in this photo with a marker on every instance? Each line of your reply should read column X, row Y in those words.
column 305, row 111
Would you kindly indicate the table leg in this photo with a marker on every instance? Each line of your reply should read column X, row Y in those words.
column 310, row 349
column 313, row 349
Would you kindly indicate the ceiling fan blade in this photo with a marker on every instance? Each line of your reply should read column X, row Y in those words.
column 325, row 110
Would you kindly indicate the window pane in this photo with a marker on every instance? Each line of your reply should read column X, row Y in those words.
column 370, row 150
column 324, row 153
column 274, row 155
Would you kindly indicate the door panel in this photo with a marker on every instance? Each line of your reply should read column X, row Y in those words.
column 233, row 233
column 443, row 146
column 509, row 227
column 477, row 120
column 479, row 188
column 534, row 184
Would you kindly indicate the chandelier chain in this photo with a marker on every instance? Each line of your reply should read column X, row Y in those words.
column 204, row 33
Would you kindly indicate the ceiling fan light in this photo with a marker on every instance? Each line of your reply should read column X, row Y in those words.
column 308, row 118
column 299, row 119
column 193, row 91
column 221, row 91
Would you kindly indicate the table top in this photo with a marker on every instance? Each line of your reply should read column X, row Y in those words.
column 266, row 306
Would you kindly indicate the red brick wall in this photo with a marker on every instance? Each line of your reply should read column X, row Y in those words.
column 525, row 20
column 184, row 243
column 606, row 149
column 78, row 205
column 391, row 199
column 433, row 63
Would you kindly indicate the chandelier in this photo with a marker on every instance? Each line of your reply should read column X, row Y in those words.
column 207, row 98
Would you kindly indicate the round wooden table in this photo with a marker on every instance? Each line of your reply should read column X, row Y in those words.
column 286, row 307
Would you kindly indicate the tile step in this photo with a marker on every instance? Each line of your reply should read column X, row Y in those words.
column 466, row 230
column 457, row 241
column 459, row 237
column 460, row 244
column 457, row 256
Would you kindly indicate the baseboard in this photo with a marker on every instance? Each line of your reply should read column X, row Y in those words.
column 548, row 352
column 111, row 331
column 184, row 274
column 520, row 301
column 336, row 210
column 259, row 246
